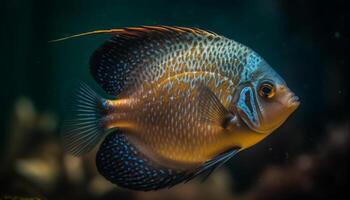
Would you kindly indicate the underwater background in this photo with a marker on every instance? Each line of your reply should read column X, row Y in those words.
column 306, row 42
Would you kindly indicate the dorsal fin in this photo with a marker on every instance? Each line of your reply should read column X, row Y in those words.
column 128, row 31
column 135, row 48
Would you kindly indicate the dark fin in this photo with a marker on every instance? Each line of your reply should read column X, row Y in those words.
column 211, row 108
column 83, row 131
column 131, row 50
column 122, row 164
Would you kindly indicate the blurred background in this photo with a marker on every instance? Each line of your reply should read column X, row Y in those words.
column 306, row 42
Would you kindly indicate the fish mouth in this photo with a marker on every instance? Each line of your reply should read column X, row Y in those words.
column 293, row 101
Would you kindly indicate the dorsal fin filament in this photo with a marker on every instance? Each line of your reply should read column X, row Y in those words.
column 110, row 31
column 133, row 31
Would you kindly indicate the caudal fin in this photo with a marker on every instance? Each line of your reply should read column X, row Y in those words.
column 82, row 132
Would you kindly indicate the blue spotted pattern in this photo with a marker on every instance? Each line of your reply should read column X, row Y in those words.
column 120, row 162
column 109, row 66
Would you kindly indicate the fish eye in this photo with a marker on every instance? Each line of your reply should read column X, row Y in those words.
column 267, row 90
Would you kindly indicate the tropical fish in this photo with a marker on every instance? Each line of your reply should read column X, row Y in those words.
column 185, row 101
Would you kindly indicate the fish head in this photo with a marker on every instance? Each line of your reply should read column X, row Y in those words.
column 265, row 101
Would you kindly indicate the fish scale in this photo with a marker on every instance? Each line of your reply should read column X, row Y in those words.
column 185, row 101
column 184, row 53
column 135, row 172
column 185, row 132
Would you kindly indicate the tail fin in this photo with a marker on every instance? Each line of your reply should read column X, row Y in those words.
column 84, row 130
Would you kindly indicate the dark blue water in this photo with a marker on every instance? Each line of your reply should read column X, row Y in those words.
column 306, row 42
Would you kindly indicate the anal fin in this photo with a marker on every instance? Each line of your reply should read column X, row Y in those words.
column 122, row 164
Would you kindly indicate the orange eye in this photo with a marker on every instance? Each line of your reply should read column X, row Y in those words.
column 267, row 90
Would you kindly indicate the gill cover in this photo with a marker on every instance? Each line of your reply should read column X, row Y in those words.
column 247, row 107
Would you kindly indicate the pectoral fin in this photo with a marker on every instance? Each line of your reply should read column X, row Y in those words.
column 211, row 108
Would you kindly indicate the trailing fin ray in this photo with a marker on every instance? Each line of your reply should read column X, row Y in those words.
column 84, row 34
column 207, row 168
column 132, row 31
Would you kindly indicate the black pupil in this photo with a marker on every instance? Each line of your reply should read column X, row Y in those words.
column 266, row 90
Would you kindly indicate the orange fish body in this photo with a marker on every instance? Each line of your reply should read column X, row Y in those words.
column 186, row 101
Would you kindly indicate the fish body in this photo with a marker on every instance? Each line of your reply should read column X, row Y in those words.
column 186, row 101
column 165, row 120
